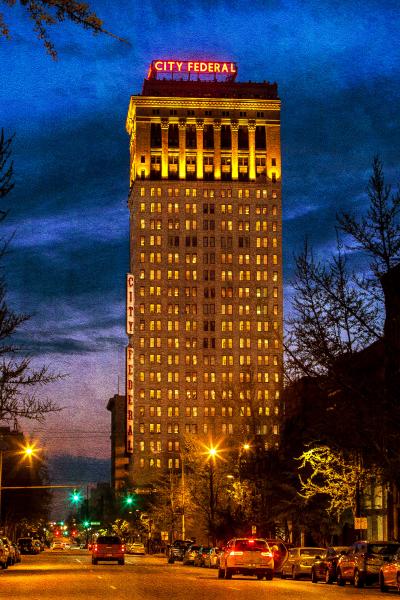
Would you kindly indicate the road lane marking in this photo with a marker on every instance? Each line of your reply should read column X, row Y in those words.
column 78, row 560
column 113, row 587
column 99, row 577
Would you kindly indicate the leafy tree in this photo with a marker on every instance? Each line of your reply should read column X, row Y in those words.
column 47, row 13
column 337, row 475
column 121, row 528
column 19, row 379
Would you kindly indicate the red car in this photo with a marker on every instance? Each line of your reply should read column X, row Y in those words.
column 108, row 548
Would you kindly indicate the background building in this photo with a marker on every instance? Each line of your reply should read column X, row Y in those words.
column 119, row 461
column 204, row 313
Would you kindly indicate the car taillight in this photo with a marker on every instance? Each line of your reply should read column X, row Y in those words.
column 269, row 554
column 95, row 547
column 123, row 548
column 235, row 553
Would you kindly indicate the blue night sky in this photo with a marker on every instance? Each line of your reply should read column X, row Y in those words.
column 337, row 68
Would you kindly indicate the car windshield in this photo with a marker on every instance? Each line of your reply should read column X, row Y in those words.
column 383, row 549
column 108, row 539
column 311, row 552
column 246, row 545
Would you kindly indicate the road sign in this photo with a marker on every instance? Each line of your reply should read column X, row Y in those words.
column 95, row 522
column 360, row 523
column 253, row 529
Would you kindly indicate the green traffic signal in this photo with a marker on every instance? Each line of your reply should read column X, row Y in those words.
column 86, row 523
column 76, row 497
column 129, row 501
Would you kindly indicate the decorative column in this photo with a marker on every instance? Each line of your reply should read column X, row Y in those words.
column 164, row 148
column 251, row 125
column 182, row 148
column 199, row 142
column 217, row 149
column 234, row 137
column 132, row 150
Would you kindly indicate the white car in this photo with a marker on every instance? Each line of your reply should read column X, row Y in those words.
column 58, row 545
column 246, row 556
column 137, row 548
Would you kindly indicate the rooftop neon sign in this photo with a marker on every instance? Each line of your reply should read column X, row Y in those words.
column 192, row 67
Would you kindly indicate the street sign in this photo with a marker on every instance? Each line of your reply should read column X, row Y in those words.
column 164, row 536
column 95, row 522
column 360, row 523
column 253, row 529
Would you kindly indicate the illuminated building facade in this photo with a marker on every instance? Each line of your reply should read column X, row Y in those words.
column 204, row 292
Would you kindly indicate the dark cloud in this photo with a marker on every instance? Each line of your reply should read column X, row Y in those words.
column 337, row 65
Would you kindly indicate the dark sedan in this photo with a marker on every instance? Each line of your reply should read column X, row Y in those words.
column 324, row 567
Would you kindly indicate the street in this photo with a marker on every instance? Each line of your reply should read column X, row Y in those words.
column 70, row 575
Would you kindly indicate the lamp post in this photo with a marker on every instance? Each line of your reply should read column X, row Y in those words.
column 212, row 454
column 26, row 452
column 183, row 497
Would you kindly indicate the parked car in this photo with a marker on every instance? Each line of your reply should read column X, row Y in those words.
column 389, row 573
column 246, row 556
column 280, row 551
column 300, row 561
column 136, row 548
column 27, row 546
column 200, row 556
column 17, row 553
column 108, row 548
column 324, row 567
column 3, row 555
column 177, row 550
column 362, row 563
column 211, row 560
column 11, row 551
column 188, row 557
column 58, row 545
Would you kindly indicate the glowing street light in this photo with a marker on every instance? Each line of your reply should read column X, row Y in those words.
column 29, row 451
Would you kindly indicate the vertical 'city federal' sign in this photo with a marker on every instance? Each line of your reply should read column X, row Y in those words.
column 130, row 329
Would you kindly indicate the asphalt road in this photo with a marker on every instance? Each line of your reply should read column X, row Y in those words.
column 71, row 576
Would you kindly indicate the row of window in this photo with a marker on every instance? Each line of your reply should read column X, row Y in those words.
column 208, row 411
column 209, row 192
column 225, row 258
column 192, row 343
column 208, row 377
column 225, row 359
column 209, row 395
column 208, row 275
column 191, row 325
column 193, row 428
column 208, row 209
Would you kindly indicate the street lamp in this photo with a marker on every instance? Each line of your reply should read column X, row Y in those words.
column 27, row 451
column 212, row 455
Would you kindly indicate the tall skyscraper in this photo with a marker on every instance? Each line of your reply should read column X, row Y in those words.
column 204, row 292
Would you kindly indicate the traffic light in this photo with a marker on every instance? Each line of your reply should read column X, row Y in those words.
column 129, row 500
column 76, row 497
column 86, row 523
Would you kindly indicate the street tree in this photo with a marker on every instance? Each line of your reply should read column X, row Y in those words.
column 337, row 344
column 20, row 380
column 336, row 475
column 48, row 13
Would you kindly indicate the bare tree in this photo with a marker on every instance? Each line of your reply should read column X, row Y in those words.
column 330, row 319
column 378, row 232
column 47, row 13
column 19, row 379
